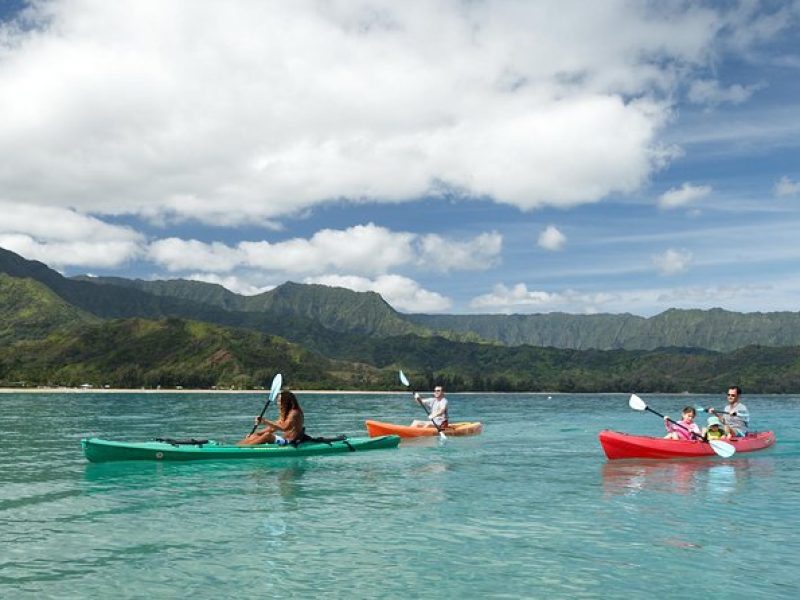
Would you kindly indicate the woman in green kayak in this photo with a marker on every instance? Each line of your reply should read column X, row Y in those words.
column 291, row 423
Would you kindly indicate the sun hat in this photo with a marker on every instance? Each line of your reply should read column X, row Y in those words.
column 713, row 421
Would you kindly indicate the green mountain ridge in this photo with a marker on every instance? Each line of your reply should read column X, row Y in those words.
column 131, row 333
column 713, row 329
column 30, row 310
column 133, row 353
column 338, row 309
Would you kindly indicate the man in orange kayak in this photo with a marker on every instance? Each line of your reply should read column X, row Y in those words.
column 436, row 408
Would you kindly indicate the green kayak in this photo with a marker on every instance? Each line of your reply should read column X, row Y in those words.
column 97, row 450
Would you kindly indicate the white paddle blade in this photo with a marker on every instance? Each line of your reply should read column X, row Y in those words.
column 404, row 379
column 277, row 382
column 637, row 403
column 724, row 449
column 442, row 436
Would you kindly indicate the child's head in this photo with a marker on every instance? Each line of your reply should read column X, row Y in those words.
column 713, row 423
column 689, row 413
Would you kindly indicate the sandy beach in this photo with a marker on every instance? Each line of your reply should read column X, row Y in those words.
column 69, row 390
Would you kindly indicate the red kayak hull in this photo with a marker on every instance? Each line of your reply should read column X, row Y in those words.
column 618, row 445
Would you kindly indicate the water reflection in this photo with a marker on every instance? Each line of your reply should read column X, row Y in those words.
column 283, row 477
column 714, row 477
column 421, row 442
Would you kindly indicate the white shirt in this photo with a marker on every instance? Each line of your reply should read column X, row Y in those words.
column 435, row 406
column 742, row 418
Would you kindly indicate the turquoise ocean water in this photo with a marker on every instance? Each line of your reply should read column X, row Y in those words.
column 529, row 509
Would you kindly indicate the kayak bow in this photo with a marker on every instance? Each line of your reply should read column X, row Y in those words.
column 618, row 445
column 97, row 450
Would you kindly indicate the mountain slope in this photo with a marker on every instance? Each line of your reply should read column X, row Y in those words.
column 332, row 320
column 174, row 352
column 132, row 353
column 714, row 329
column 335, row 308
column 30, row 310
column 121, row 298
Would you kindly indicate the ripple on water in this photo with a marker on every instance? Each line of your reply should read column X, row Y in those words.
column 528, row 509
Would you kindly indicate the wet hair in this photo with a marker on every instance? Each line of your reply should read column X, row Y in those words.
column 689, row 409
column 288, row 403
column 737, row 388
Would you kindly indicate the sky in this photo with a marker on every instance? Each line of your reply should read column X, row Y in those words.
column 456, row 157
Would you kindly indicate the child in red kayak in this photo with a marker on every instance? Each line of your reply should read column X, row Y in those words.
column 714, row 430
column 684, row 429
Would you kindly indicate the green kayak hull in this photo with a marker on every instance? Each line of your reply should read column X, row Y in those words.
column 97, row 450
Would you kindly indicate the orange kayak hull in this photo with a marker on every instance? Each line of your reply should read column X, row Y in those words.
column 378, row 428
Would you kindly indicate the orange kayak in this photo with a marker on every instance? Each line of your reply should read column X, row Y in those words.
column 378, row 428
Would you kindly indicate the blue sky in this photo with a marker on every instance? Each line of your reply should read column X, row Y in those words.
column 458, row 157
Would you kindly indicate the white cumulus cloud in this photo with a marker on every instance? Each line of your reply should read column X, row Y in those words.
column 401, row 293
column 518, row 298
column 244, row 112
column 673, row 261
column 552, row 239
column 61, row 236
column 686, row 194
column 444, row 254
column 785, row 187
column 176, row 254
column 365, row 250
column 709, row 91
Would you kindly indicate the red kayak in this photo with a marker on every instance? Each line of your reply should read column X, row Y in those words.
column 624, row 445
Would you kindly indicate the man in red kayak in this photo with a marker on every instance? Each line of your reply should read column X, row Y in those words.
column 736, row 417
column 436, row 407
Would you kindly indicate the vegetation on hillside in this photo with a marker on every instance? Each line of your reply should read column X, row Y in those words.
column 122, row 333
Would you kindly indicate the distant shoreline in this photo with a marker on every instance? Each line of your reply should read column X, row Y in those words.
column 56, row 390
column 66, row 390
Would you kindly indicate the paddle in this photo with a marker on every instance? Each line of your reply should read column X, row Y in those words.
column 724, row 449
column 722, row 414
column 404, row 381
column 277, row 382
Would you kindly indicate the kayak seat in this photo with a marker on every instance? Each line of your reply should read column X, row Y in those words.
column 304, row 437
column 189, row 442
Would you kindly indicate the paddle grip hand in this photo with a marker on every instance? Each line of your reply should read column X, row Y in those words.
column 259, row 418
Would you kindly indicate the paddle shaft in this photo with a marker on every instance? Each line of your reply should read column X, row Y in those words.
column 263, row 410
